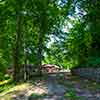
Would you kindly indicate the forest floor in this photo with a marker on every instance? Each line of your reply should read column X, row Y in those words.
column 52, row 87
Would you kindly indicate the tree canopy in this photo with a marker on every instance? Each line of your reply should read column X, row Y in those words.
column 61, row 32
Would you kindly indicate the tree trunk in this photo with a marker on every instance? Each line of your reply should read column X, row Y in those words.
column 26, row 73
column 17, row 48
column 39, row 53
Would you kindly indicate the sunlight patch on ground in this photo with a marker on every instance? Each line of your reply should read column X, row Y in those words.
column 39, row 90
column 25, row 89
column 74, row 88
column 4, row 82
column 15, row 88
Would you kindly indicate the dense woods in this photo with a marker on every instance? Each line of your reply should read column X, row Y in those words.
column 49, row 49
column 61, row 32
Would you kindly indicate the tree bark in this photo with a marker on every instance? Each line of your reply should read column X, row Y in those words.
column 17, row 48
column 40, row 53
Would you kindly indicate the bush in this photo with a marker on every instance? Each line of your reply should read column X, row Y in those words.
column 72, row 96
column 1, row 76
column 92, row 61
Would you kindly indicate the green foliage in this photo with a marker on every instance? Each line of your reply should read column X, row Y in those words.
column 72, row 95
column 1, row 76
column 80, row 47
column 7, row 85
column 37, row 96
column 42, row 21
column 92, row 61
column 3, row 64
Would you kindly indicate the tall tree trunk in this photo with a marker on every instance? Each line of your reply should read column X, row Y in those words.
column 17, row 48
column 26, row 76
column 43, row 31
column 39, row 53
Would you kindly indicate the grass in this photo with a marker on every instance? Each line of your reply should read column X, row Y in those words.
column 72, row 95
column 36, row 96
column 8, row 88
column 6, row 85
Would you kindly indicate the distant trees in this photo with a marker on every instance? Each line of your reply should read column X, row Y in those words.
column 80, row 44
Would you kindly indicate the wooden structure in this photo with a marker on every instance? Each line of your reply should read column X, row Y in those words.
column 28, row 71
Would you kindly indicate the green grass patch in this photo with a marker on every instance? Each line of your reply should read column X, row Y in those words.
column 72, row 95
column 5, row 85
column 36, row 96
